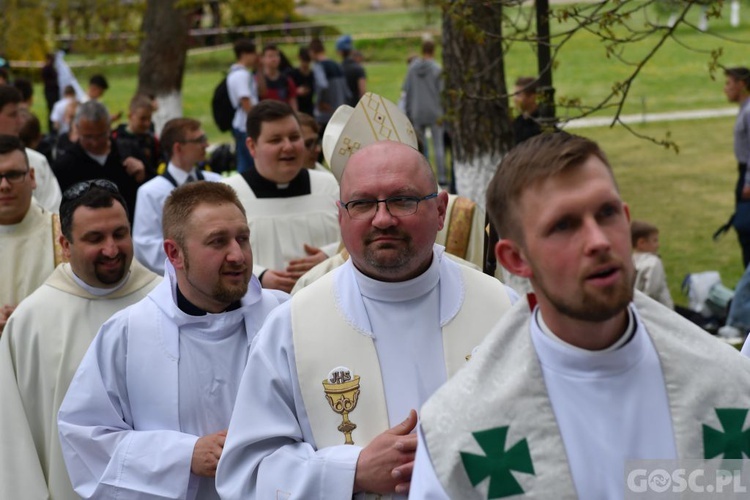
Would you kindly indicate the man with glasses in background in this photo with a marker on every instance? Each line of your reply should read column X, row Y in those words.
column 326, row 407
column 184, row 142
column 29, row 250
column 311, row 136
column 51, row 330
column 95, row 156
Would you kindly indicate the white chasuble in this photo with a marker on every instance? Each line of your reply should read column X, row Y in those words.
column 354, row 381
column 40, row 350
column 27, row 254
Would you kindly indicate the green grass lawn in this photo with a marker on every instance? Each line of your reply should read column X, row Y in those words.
column 687, row 195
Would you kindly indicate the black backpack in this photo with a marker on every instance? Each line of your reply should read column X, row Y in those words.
column 222, row 108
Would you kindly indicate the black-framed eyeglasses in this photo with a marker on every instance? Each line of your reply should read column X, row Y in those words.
column 198, row 140
column 14, row 176
column 397, row 206
column 79, row 189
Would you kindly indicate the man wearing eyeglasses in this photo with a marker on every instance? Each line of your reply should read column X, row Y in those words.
column 311, row 136
column 185, row 142
column 328, row 401
column 28, row 248
column 96, row 156
column 52, row 328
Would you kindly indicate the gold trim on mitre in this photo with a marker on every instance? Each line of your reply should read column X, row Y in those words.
column 374, row 119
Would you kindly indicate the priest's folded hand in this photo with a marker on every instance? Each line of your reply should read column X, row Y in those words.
column 279, row 280
column 206, row 454
column 385, row 465
column 314, row 257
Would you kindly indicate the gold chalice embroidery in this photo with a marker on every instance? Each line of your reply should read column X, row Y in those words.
column 342, row 393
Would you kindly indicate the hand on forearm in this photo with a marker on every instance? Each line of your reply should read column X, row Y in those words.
column 206, row 454
column 314, row 257
column 279, row 280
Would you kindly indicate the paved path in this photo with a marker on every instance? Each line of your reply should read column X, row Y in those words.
column 653, row 117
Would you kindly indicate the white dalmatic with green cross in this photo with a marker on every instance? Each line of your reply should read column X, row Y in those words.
column 533, row 416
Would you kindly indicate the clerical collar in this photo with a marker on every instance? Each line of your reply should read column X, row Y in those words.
column 263, row 188
column 192, row 310
column 97, row 291
column 624, row 339
column 399, row 291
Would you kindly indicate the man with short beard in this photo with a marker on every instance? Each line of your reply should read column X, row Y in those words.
column 51, row 329
column 572, row 386
column 390, row 325
column 147, row 412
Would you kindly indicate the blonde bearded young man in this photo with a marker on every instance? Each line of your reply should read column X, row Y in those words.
column 391, row 325
column 593, row 376
column 51, row 329
column 146, row 414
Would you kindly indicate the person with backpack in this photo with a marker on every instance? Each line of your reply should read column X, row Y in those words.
column 330, row 84
column 243, row 95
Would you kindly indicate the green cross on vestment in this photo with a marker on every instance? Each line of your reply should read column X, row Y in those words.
column 733, row 442
column 498, row 462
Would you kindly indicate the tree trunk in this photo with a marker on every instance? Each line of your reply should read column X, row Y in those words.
column 163, row 55
column 476, row 96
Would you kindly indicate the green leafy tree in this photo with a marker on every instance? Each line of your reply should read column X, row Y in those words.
column 260, row 11
column 478, row 33
column 22, row 29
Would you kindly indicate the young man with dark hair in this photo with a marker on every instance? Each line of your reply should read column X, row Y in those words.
column 157, row 387
column 243, row 94
column 356, row 78
column 278, row 86
column 525, row 99
column 291, row 210
column 305, row 82
column 737, row 90
column 51, row 329
column 184, row 141
column 47, row 191
column 331, row 90
column 588, row 376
